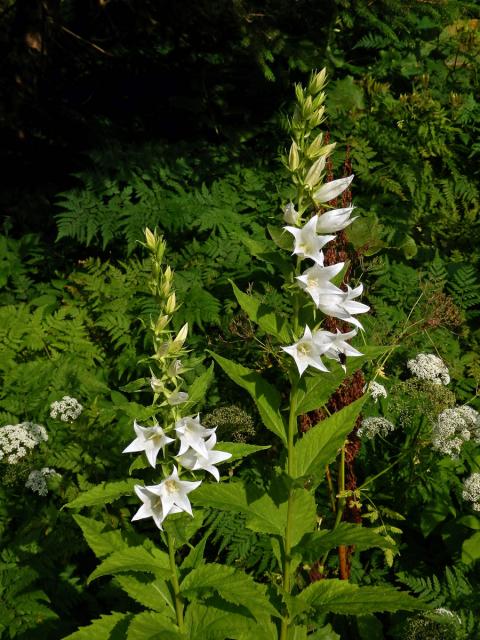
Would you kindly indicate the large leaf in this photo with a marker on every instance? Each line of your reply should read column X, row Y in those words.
column 103, row 494
column 232, row 585
column 153, row 594
column 339, row 596
column 151, row 625
column 134, row 559
column 320, row 445
column 264, row 316
column 315, row 544
column 110, row 627
column 239, row 450
column 303, row 514
column 102, row 542
column 198, row 389
column 265, row 396
column 263, row 514
column 217, row 622
column 315, row 390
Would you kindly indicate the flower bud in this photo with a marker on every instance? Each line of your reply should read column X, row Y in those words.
column 317, row 82
column 290, row 214
column 307, row 108
column 299, row 93
column 314, row 173
column 317, row 117
column 177, row 344
column 156, row 384
column 161, row 324
column 171, row 302
column 293, row 157
column 177, row 397
column 150, row 238
column 327, row 149
column 175, row 368
column 315, row 147
column 167, row 274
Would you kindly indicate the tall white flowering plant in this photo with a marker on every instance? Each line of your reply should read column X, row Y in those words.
column 187, row 596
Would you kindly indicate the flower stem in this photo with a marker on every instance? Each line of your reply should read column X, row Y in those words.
column 175, row 585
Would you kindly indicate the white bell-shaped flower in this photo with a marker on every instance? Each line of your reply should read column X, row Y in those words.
column 195, row 461
column 335, row 220
column 306, row 353
column 308, row 244
column 150, row 440
column 192, row 434
column 173, row 493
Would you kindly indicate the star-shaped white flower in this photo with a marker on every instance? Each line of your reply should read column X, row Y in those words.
column 335, row 344
column 195, row 461
column 152, row 505
column 331, row 190
column 192, row 434
column 173, row 493
column 308, row 244
column 340, row 304
column 306, row 353
column 317, row 279
column 150, row 440
column 335, row 220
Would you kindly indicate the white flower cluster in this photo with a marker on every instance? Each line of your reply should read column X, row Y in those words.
column 453, row 428
column 37, row 480
column 18, row 439
column 471, row 490
column 196, row 452
column 427, row 366
column 377, row 390
column 67, row 409
column 374, row 426
column 316, row 281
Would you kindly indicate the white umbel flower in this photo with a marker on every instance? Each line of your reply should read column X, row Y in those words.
column 453, row 428
column 374, row 426
column 67, row 409
column 150, row 440
column 17, row 440
column 427, row 366
column 377, row 390
column 36, row 481
column 308, row 244
column 471, row 490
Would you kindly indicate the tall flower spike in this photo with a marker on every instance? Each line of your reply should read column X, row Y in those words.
column 195, row 461
column 306, row 353
column 335, row 220
column 150, row 440
column 308, row 244
column 317, row 279
column 173, row 493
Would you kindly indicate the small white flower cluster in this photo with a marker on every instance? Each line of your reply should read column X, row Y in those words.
column 427, row 366
column 471, row 490
column 374, row 426
column 67, row 409
column 37, row 480
column 18, row 439
column 196, row 452
column 316, row 281
column 453, row 428
column 377, row 390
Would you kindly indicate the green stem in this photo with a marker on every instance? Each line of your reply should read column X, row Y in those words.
column 175, row 585
column 287, row 577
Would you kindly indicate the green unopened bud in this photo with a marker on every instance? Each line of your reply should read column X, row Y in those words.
column 167, row 274
column 293, row 157
column 307, row 108
column 317, row 117
column 177, row 344
column 299, row 93
column 314, row 173
column 318, row 102
column 175, row 368
column 161, row 324
column 327, row 149
column 165, row 288
column 150, row 238
column 317, row 82
column 171, row 303
column 156, row 384
column 315, row 147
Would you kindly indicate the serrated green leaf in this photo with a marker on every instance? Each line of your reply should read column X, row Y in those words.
column 264, row 395
column 216, row 623
column 263, row 315
column 340, row 596
column 320, row 445
column 153, row 594
column 103, row 494
column 239, row 450
column 109, row 627
column 263, row 514
column 151, row 625
column 102, row 542
column 134, row 559
column 315, row 544
column 303, row 515
column 232, row 585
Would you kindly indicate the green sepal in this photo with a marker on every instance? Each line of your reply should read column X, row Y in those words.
column 264, row 316
column 266, row 397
